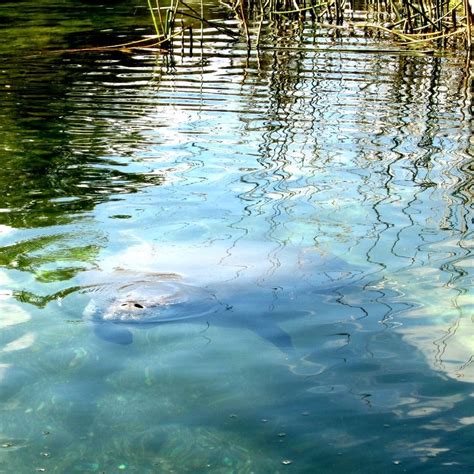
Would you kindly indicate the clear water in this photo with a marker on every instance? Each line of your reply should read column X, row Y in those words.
column 321, row 194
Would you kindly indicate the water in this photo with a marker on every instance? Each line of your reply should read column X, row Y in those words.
column 318, row 199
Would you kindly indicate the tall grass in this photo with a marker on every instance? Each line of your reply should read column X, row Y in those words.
column 410, row 21
column 415, row 22
column 163, row 18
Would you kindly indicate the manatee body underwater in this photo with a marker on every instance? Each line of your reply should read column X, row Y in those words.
column 146, row 287
column 117, row 309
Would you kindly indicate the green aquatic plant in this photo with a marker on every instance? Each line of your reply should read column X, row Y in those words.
column 163, row 24
column 49, row 258
column 155, row 23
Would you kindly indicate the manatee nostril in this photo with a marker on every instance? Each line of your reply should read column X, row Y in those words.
column 144, row 302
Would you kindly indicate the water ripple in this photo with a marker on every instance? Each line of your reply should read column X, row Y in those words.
column 325, row 192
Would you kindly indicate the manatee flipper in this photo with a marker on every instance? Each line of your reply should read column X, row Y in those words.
column 113, row 333
column 275, row 335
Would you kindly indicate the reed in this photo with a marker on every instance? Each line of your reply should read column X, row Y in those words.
column 163, row 19
column 415, row 22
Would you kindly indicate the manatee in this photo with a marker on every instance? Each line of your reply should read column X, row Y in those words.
column 146, row 300
column 142, row 300
column 245, row 287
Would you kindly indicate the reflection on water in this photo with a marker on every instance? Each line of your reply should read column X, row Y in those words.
column 320, row 199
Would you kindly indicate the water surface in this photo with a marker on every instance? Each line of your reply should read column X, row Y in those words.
column 322, row 197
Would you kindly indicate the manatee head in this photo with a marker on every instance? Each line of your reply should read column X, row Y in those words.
column 143, row 302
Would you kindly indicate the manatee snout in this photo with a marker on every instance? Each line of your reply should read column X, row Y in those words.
column 116, row 309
